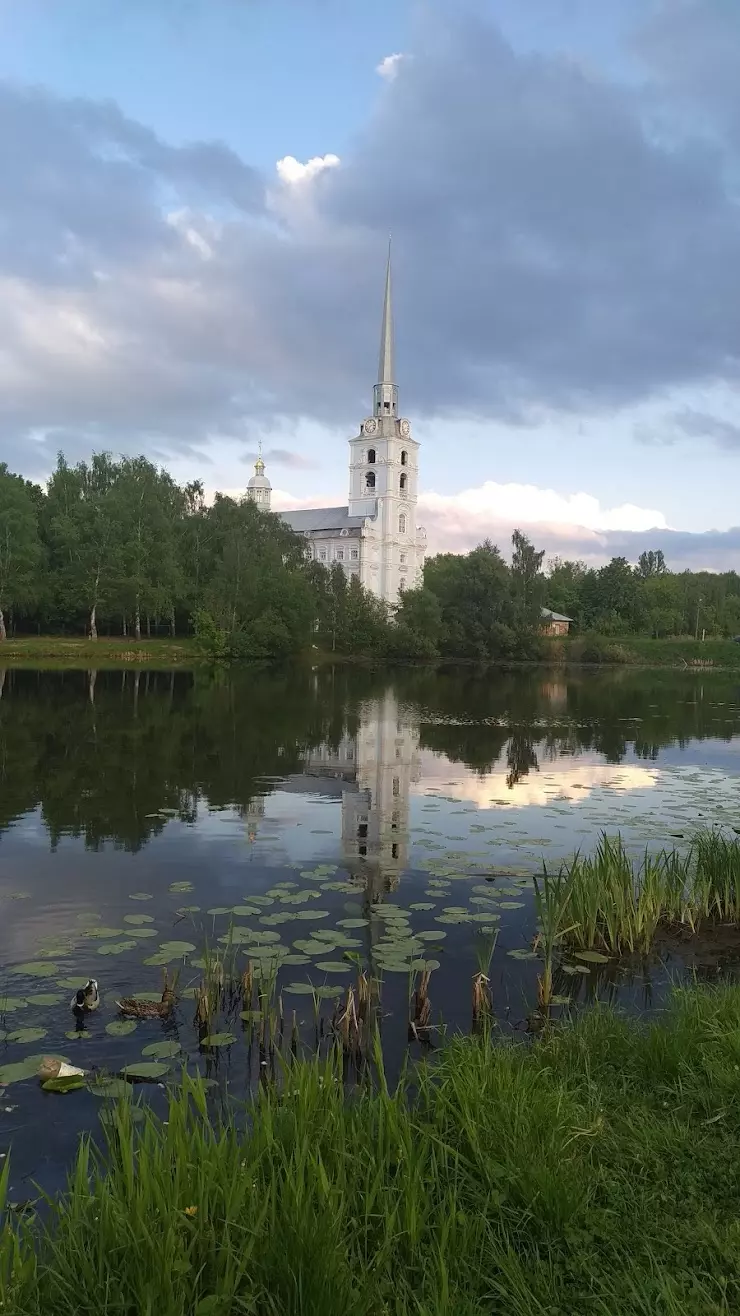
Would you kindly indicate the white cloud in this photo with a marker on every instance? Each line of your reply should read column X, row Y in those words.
column 291, row 170
column 388, row 68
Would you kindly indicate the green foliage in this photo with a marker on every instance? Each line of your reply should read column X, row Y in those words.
column 594, row 1171
column 20, row 546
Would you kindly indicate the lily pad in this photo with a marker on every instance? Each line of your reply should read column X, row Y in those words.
column 352, row 923
column 306, row 989
column 116, row 947
column 141, row 933
column 25, row 1035
column 140, row 895
column 522, row 954
column 138, row 919
column 146, row 1069
column 181, row 886
column 72, row 1083
column 99, row 934
column 220, row 909
column 422, row 906
column 218, row 1039
column 592, row 957
column 44, row 998
column 108, row 1087
column 78, row 1035
column 245, row 911
column 10, row 1003
column 121, row 1027
column 512, row 904
column 312, row 913
column 176, row 947
column 23, row 1069
column 295, row 960
column 333, row 966
column 573, row 969
column 162, row 1050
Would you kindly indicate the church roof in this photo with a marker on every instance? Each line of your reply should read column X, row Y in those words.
column 307, row 519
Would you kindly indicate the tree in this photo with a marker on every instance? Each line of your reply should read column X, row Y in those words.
column 527, row 583
column 651, row 564
column 82, row 528
column 20, row 547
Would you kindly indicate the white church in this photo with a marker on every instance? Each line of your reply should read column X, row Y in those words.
column 375, row 537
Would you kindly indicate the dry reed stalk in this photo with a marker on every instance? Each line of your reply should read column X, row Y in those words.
column 248, row 985
column 422, row 1008
column 482, row 1000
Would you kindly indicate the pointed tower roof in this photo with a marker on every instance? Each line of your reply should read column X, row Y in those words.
column 386, row 365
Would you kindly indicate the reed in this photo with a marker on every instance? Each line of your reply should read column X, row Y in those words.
column 593, row 1170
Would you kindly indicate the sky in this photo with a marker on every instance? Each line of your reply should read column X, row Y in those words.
column 195, row 203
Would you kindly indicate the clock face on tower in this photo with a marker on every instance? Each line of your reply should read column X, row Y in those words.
column 370, row 426
column 405, row 428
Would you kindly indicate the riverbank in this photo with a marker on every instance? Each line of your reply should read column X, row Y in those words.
column 682, row 652
column 77, row 651
column 596, row 1170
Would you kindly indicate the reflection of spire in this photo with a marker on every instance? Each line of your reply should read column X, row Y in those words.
column 255, row 813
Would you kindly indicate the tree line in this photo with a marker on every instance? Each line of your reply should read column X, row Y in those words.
column 118, row 547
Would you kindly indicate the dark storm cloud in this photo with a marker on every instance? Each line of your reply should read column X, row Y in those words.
column 550, row 252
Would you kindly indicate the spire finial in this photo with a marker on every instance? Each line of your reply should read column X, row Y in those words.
column 386, row 368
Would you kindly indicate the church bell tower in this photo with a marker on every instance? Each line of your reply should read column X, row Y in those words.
column 383, row 479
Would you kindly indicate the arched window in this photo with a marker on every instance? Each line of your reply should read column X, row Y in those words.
column 370, row 480
column 402, row 524
column 404, row 482
column 371, row 457
column 404, row 458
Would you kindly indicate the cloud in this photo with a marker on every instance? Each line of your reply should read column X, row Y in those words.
column 390, row 67
column 567, row 525
column 297, row 461
column 291, row 170
column 553, row 251
column 699, row 425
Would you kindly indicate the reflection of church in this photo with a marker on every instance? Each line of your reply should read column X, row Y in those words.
column 371, row 774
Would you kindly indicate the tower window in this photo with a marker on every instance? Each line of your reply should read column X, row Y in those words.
column 354, row 554
column 370, row 480
column 402, row 524
column 404, row 481
column 394, row 851
column 396, row 786
column 362, row 831
column 387, row 406
column 340, row 555
column 404, row 458
column 403, row 559
column 371, row 457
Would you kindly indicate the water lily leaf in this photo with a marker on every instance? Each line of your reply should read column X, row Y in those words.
column 108, row 1087
column 420, row 966
column 592, row 957
column 181, row 886
column 422, row 906
column 99, row 934
column 312, row 913
column 251, row 1016
column 37, row 969
column 295, row 960
column 43, row 998
column 218, row 1039
column 259, row 900
column 264, row 938
column 72, row 1083
column 121, row 1027
column 109, row 1115
column 522, row 954
column 140, row 895
column 453, row 918
column 145, row 1069
column 306, row 989
column 333, row 966
column 162, row 1050
column 245, row 911
column 138, row 919
column 352, row 923
column 25, row 1035
column 573, row 969
column 116, row 947
column 176, row 947
column 74, row 983
column 78, row 1035
column 560, row 1000
column 220, row 909
column 512, row 904
column 188, row 909
column 430, row 936
column 141, row 933
column 10, row 1003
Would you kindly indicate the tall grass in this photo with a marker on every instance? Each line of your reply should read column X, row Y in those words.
column 595, row 1171
column 614, row 904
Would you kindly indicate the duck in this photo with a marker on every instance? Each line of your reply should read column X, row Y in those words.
column 86, row 999
column 150, row 1009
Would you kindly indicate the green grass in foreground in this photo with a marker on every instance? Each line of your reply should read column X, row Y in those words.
column 596, row 1172
column 682, row 651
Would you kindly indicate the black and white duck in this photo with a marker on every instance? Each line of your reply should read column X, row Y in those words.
column 86, row 999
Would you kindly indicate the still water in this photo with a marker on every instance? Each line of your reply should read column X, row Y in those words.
column 398, row 819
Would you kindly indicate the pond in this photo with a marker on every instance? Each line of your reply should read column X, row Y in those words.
column 314, row 823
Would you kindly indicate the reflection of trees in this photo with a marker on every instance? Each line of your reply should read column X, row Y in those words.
column 101, row 758
column 521, row 757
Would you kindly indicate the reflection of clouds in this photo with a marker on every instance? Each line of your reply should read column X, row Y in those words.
column 564, row 781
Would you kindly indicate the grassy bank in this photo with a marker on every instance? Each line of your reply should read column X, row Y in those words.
column 641, row 649
column 597, row 1171
column 77, row 651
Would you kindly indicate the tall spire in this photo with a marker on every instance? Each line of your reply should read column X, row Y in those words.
column 385, row 393
column 386, row 367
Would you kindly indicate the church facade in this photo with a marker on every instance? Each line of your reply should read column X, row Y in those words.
column 375, row 537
